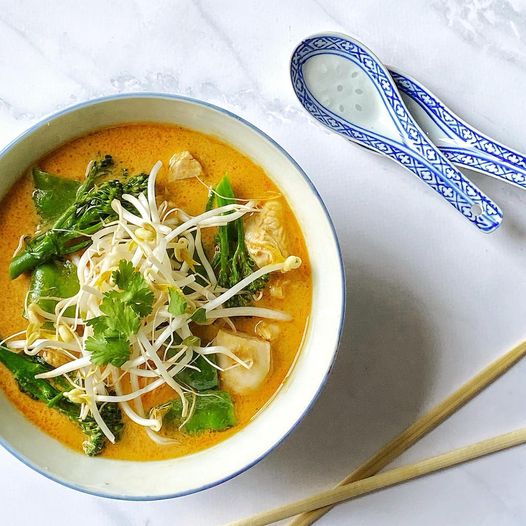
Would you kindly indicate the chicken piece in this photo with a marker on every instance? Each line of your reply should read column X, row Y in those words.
column 265, row 235
column 182, row 165
column 253, row 351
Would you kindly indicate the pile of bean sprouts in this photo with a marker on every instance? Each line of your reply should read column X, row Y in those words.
column 163, row 244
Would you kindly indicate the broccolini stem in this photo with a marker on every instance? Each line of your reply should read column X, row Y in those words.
column 232, row 258
column 224, row 195
column 90, row 211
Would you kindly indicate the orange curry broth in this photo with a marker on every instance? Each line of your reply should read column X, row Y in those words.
column 137, row 147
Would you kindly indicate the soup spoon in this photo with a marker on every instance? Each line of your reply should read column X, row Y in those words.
column 343, row 85
column 461, row 143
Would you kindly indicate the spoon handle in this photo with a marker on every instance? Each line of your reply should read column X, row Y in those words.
column 461, row 143
column 440, row 175
column 487, row 165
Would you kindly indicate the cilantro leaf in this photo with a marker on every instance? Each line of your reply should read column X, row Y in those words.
column 124, row 274
column 99, row 324
column 178, row 303
column 135, row 289
column 120, row 316
column 122, row 313
column 108, row 350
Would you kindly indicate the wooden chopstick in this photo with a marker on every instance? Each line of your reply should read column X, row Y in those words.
column 424, row 425
column 389, row 478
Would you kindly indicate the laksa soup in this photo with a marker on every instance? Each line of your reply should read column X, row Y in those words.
column 156, row 289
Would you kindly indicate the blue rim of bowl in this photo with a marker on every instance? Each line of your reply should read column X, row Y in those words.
column 157, row 95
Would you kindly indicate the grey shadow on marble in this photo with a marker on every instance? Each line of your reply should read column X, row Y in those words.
column 379, row 385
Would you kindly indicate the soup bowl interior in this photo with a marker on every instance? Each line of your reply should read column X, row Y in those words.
column 169, row 478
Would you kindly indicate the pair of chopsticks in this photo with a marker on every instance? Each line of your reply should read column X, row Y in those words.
column 364, row 479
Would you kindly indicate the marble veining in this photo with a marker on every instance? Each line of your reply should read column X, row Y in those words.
column 496, row 25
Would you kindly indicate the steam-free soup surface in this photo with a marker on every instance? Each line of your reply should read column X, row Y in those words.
column 138, row 147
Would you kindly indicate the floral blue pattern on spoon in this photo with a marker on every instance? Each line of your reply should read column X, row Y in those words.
column 460, row 142
column 344, row 86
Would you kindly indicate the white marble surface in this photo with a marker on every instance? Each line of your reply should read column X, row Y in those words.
column 431, row 299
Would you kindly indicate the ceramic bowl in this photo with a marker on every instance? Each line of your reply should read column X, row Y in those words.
column 170, row 478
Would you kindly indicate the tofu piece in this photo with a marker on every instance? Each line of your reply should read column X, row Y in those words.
column 182, row 165
column 265, row 235
column 253, row 351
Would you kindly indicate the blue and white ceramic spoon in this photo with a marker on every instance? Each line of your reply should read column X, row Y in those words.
column 462, row 144
column 344, row 86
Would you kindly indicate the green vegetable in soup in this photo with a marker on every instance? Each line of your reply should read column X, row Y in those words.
column 232, row 260
column 213, row 411
column 24, row 369
column 90, row 211
column 202, row 378
column 96, row 441
column 178, row 303
column 56, row 279
column 51, row 392
column 199, row 316
column 52, row 194
column 202, row 374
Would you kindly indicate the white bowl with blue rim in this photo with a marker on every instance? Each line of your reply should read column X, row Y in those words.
column 180, row 476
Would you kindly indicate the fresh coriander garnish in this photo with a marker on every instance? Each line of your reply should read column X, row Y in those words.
column 123, row 310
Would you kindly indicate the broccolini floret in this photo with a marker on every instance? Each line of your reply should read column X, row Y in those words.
column 85, row 216
column 24, row 369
